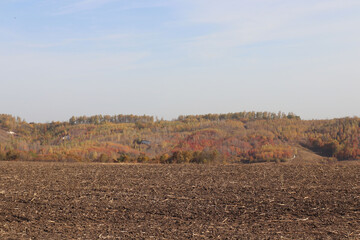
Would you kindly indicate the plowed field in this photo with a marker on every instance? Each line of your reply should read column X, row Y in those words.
column 98, row 201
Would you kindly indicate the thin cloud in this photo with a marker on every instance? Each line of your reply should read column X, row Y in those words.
column 83, row 5
column 232, row 11
column 242, row 23
column 69, row 41
column 86, row 5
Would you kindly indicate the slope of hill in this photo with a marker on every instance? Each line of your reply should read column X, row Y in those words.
column 307, row 156
column 4, row 136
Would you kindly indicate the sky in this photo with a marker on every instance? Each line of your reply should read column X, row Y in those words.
column 167, row 58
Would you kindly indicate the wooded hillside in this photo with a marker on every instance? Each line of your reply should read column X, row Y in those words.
column 244, row 137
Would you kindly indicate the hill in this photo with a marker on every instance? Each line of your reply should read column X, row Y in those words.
column 244, row 137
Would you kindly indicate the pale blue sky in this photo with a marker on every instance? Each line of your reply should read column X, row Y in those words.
column 172, row 57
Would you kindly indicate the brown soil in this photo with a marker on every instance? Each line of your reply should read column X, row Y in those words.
column 262, row 201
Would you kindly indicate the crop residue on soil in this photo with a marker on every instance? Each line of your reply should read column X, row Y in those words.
column 98, row 201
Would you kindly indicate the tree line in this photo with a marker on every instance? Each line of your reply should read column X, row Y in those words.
column 101, row 119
